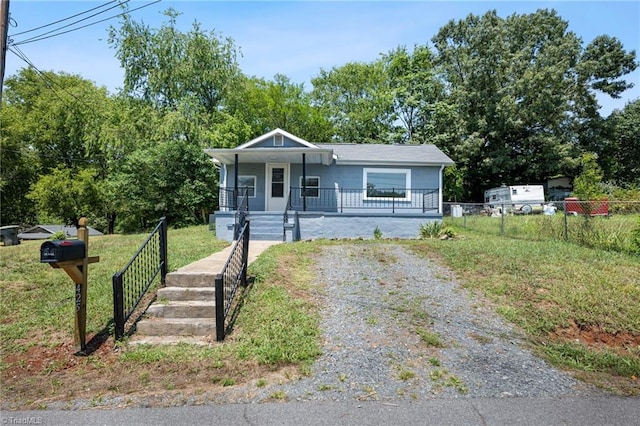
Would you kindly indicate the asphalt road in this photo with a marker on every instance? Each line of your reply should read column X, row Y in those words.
column 468, row 411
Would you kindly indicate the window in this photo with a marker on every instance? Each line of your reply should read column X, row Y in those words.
column 248, row 182
column 387, row 183
column 278, row 140
column 514, row 191
column 312, row 187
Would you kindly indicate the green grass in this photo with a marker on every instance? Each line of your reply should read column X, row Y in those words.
column 549, row 288
column 615, row 233
column 38, row 300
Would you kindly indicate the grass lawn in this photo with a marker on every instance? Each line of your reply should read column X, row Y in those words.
column 580, row 307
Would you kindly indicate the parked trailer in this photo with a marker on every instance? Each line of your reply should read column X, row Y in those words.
column 519, row 199
column 576, row 207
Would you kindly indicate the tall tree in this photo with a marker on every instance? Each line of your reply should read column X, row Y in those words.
column 416, row 91
column 358, row 101
column 269, row 104
column 523, row 87
column 624, row 145
column 166, row 66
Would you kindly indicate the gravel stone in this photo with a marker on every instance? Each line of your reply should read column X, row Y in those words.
column 377, row 298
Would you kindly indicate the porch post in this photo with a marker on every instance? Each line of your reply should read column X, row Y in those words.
column 304, row 182
column 440, row 191
column 235, row 183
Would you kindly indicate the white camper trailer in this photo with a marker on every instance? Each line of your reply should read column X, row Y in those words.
column 520, row 199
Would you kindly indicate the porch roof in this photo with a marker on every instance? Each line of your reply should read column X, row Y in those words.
column 272, row 155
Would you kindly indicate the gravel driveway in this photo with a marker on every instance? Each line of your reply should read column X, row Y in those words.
column 397, row 326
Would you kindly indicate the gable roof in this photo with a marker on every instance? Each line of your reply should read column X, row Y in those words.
column 272, row 133
column 345, row 154
column 382, row 154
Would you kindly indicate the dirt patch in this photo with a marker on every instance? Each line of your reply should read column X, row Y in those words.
column 597, row 336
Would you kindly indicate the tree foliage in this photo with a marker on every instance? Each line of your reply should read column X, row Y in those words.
column 522, row 86
column 357, row 100
column 165, row 66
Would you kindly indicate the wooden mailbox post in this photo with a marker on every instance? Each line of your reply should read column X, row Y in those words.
column 77, row 268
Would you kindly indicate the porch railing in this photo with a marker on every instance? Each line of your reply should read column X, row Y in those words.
column 132, row 282
column 242, row 211
column 233, row 275
column 354, row 199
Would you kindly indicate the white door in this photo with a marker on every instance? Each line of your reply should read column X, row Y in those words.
column 277, row 186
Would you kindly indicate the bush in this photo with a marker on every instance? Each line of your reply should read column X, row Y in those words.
column 435, row 230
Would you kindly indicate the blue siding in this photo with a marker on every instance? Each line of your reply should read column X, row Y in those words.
column 336, row 177
column 268, row 143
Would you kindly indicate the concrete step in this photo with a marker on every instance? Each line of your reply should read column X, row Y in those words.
column 192, row 278
column 266, row 236
column 174, row 294
column 177, row 327
column 137, row 339
column 183, row 309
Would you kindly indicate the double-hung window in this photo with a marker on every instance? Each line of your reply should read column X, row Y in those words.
column 248, row 183
column 312, row 187
column 387, row 183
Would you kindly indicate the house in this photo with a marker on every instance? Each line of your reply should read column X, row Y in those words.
column 299, row 190
column 42, row 232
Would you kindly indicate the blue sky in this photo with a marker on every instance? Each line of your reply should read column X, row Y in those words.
column 298, row 38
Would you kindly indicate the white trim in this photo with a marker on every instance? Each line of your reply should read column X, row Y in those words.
column 255, row 183
column 267, row 184
column 266, row 136
column 275, row 139
column 407, row 180
column 440, row 190
column 316, row 187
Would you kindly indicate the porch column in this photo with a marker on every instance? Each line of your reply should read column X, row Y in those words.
column 235, row 183
column 304, row 182
column 440, row 190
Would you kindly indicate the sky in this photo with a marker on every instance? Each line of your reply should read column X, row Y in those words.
column 294, row 38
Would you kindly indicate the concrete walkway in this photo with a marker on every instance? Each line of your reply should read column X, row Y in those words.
column 184, row 311
column 215, row 262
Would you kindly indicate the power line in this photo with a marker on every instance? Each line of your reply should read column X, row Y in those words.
column 67, row 18
column 48, row 34
column 48, row 82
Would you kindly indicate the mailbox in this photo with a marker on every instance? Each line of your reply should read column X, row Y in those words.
column 62, row 250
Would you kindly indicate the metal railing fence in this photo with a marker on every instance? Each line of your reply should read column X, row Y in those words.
column 349, row 199
column 227, row 282
column 132, row 282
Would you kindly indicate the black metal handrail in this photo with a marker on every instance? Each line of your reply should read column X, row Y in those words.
column 233, row 275
column 242, row 211
column 285, row 216
column 348, row 199
column 132, row 282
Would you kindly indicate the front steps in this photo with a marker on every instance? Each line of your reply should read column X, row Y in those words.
column 184, row 311
column 266, row 226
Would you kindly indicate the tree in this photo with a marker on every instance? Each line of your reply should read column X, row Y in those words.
column 624, row 144
column 165, row 66
column 67, row 194
column 172, row 179
column 588, row 184
column 280, row 103
column 19, row 171
column 416, row 91
column 523, row 90
column 358, row 101
column 58, row 116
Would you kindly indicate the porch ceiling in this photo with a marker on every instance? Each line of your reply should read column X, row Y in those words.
column 272, row 155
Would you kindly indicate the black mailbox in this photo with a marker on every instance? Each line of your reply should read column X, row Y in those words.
column 61, row 250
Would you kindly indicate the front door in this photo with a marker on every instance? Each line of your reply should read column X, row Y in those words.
column 277, row 186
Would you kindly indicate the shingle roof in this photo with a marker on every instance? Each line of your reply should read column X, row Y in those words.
column 42, row 232
column 393, row 154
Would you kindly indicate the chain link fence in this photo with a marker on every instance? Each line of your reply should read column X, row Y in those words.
column 607, row 225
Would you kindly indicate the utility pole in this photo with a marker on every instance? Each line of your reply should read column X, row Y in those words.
column 4, row 31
